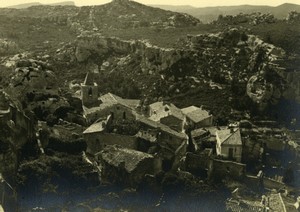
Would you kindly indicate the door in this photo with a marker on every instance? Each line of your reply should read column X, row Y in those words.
column 230, row 153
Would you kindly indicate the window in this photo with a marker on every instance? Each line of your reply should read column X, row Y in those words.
column 90, row 92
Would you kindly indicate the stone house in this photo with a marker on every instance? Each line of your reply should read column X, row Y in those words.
column 97, row 138
column 126, row 166
column 110, row 104
column 171, row 144
column 167, row 114
column 197, row 117
column 229, row 144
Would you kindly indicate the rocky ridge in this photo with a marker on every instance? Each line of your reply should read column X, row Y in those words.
column 240, row 58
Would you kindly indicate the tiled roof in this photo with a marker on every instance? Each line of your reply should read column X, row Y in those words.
column 198, row 132
column 111, row 99
column 228, row 137
column 195, row 114
column 189, row 109
column 130, row 158
column 163, row 110
column 96, row 127
column 160, row 126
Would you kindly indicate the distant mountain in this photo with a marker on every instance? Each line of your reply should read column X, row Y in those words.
column 118, row 14
column 27, row 5
column 64, row 3
column 23, row 6
column 208, row 14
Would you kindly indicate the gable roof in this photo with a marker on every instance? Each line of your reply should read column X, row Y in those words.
column 165, row 110
column 199, row 132
column 159, row 126
column 189, row 109
column 195, row 114
column 227, row 137
column 130, row 158
column 96, row 127
column 110, row 99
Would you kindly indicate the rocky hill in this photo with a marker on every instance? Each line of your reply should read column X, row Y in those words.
column 246, row 70
column 27, row 5
column 208, row 14
column 130, row 14
column 141, row 51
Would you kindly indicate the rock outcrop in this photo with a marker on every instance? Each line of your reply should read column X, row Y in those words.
column 239, row 57
column 8, row 47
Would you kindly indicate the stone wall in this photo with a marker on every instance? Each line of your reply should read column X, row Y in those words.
column 198, row 163
column 222, row 169
column 118, row 113
column 205, row 123
column 97, row 141
column 272, row 184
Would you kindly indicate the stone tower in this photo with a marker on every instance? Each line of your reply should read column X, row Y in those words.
column 89, row 91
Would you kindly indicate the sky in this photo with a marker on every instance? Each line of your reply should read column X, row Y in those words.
column 195, row 3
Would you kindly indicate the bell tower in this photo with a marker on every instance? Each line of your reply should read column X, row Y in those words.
column 89, row 91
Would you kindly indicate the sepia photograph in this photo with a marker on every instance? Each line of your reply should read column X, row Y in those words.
column 149, row 106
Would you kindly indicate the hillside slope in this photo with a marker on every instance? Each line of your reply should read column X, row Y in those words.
column 31, row 4
column 208, row 14
column 124, row 13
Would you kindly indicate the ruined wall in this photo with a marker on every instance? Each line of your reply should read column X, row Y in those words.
column 272, row 184
column 118, row 113
column 222, row 169
column 119, row 175
column 196, row 163
column 275, row 144
column 97, row 141
column 252, row 150
column 253, row 182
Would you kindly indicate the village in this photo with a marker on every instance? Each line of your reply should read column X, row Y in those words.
column 132, row 142
column 132, row 107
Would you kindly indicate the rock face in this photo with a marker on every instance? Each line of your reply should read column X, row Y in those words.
column 231, row 56
column 253, row 19
column 16, row 130
column 152, row 57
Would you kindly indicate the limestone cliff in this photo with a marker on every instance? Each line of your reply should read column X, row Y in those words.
column 232, row 56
